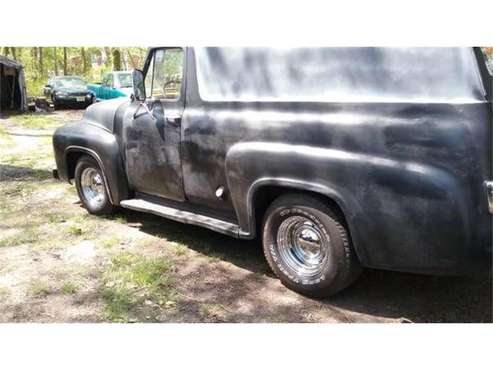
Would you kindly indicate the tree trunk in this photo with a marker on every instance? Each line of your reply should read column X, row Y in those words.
column 84, row 60
column 41, row 66
column 109, row 61
column 55, row 59
column 64, row 61
column 12, row 49
column 117, row 59
column 131, row 58
column 6, row 51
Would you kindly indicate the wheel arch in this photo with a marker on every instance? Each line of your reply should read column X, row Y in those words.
column 72, row 155
column 264, row 191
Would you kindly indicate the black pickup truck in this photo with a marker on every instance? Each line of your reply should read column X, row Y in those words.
column 336, row 158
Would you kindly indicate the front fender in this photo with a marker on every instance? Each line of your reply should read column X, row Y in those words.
column 400, row 214
column 98, row 142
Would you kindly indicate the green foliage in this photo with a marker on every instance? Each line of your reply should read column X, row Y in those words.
column 34, row 121
column 69, row 288
column 39, row 289
column 41, row 63
column 132, row 280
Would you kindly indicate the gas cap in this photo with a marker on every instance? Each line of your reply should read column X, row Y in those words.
column 220, row 192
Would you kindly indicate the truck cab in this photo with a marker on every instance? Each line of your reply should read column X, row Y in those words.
column 335, row 158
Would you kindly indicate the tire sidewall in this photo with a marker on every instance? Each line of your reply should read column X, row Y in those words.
column 82, row 164
column 333, row 266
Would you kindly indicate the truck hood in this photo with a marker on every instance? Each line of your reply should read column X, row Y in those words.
column 103, row 113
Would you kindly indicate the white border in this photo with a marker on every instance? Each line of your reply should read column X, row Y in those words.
column 252, row 22
column 244, row 23
column 229, row 346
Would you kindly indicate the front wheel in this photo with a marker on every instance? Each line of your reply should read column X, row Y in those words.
column 91, row 187
column 56, row 105
column 308, row 247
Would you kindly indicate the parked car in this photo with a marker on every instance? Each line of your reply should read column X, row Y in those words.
column 68, row 91
column 336, row 158
column 114, row 85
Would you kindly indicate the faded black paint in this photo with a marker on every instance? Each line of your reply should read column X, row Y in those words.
column 408, row 176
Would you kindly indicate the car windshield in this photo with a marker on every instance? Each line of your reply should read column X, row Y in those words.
column 124, row 79
column 70, row 82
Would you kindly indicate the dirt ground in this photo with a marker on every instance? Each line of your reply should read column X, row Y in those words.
column 59, row 264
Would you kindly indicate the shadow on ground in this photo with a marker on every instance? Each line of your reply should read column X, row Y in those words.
column 10, row 173
column 385, row 294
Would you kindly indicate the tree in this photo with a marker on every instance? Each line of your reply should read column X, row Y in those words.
column 40, row 61
column 109, row 61
column 117, row 59
column 84, row 60
column 55, row 59
column 64, row 61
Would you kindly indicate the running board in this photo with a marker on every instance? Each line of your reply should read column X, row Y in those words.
column 181, row 216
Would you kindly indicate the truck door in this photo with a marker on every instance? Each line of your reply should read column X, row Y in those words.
column 153, row 136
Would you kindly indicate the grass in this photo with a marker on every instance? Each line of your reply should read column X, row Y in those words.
column 34, row 121
column 4, row 136
column 25, row 236
column 132, row 280
column 37, row 162
column 75, row 229
column 82, row 225
column 39, row 289
column 4, row 291
column 179, row 249
column 111, row 241
column 212, row 310
column 69, row 288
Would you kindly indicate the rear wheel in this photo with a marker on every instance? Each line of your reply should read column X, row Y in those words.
column 308, row 247
column 91, row 187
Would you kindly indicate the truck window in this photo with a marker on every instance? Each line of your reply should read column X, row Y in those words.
column 339, row 74
column 488, row 55
column 164, row 75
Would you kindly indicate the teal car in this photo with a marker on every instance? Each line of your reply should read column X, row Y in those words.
column 114, row 85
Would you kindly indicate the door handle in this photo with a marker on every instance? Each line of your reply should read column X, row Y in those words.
column 174, row 120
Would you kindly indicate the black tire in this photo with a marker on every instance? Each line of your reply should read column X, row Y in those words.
column 104, row 206
column 56, row 105
column 91, row 102
column 337, row 269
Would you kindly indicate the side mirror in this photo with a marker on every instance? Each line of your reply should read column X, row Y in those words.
column 138, row 85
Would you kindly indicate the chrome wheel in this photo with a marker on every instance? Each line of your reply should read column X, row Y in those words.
column 302, row 246
column 92, row 186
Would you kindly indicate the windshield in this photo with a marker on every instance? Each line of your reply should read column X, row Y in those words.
column 70, row 82
column 124, row 79
column 488, row 53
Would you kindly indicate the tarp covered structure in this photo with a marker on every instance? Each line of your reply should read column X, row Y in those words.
column 12, row 86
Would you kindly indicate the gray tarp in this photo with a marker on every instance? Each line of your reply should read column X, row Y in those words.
column 12, row 85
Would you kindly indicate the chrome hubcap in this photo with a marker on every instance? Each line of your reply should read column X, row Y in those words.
column 302, row 246
column 92, row 187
